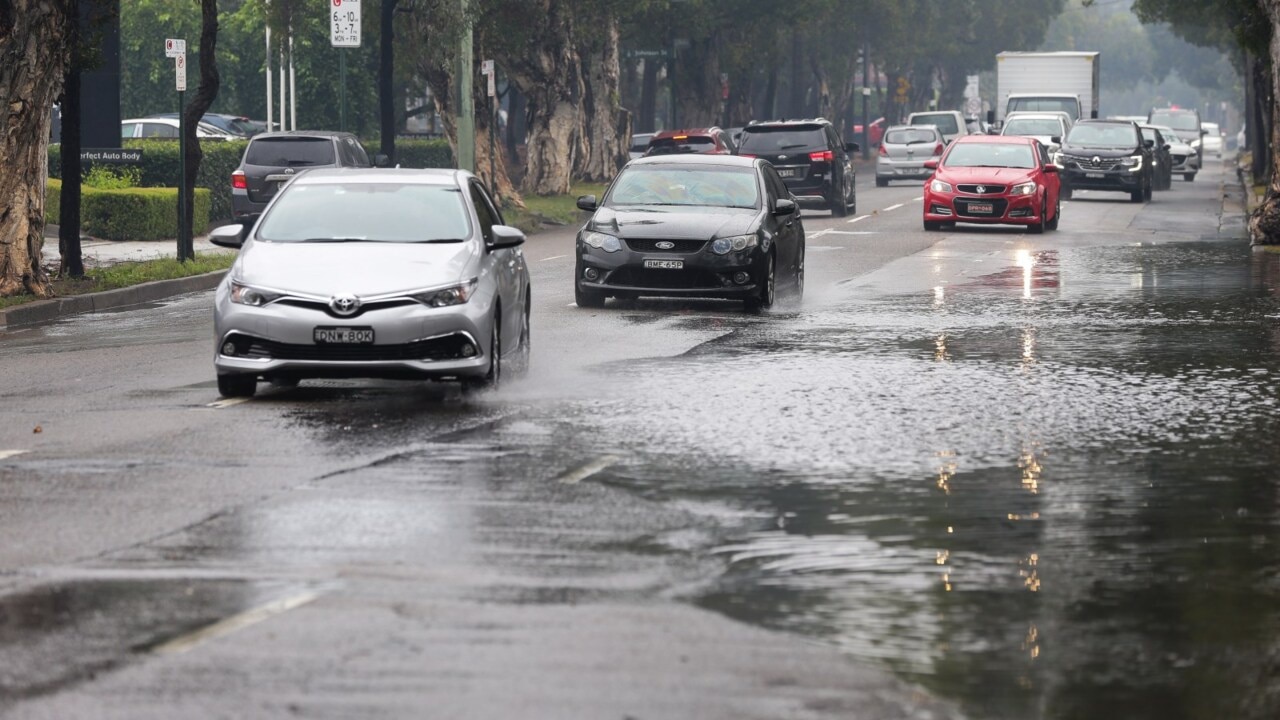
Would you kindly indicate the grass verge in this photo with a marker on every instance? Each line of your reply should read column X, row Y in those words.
column 543, row 210
column 127, row 274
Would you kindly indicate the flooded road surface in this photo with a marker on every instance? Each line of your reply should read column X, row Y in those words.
column 1049, row 491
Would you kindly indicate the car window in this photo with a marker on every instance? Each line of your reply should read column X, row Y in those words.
column 782, row 137
column 945, row 122
column 290, row 151
column 719, row 186
column 1175, row 119
column 1103, row 136
column 1032, row 126
column 682, row 144
column 373, row 212
column 128, row 130
column 776, row 187
column 988, row 154
column 159, row 130
column 1066, row 105
column 359, row 157
column 640, row 143
column 483, row 212
column 906, row 137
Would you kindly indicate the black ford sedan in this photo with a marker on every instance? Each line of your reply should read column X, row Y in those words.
column 708, row 226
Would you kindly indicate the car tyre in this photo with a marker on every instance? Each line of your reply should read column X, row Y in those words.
column 1038, row 228
column 1057, row 214
column 587, row 298
column 932, row 226
column 797, row 294
column 1138, row 195
column 766, row 294
column 1066, row 192
column 493, row 376
column 839, row 204
column 237, row 386
column 1189, row 177
column 882, row 182
column 520, row 365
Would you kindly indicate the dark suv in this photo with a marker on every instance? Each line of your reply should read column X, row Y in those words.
column 272, row 159
column 1107, row 155
column 808, row 154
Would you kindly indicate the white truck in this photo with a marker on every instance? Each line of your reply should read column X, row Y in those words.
column 1047, row 82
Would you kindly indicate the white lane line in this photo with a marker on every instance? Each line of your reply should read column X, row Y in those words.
column 573, row 304
column 226, row 403
column 860, row 217
column 226, row 626
column 917, row 199
column 893, row 207
column 583, row 472
column 820, row 233
column 6, row 454
column 822, row 248
column 553, row 257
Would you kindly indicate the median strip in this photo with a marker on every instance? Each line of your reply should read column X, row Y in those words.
column 583, row 472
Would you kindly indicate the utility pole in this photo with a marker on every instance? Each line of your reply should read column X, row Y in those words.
column 466, row 159
column 866, row 96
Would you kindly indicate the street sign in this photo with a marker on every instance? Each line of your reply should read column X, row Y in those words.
column 113, row 156
column 344, row 23
column 486, row 69
column 645, row 54
column 174, row 47
column 180, row 68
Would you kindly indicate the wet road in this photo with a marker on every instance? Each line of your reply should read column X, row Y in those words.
column 976, row 472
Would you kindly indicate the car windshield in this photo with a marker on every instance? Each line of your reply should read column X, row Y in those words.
column 1066, row 105
column 290, row 152
column 372, row 212
column 1032, row 126
column 786, row 137
column 1169, row 135
column 1211, row 128
column 1148, row 134
column 989, row 154
column 904, row 137
column 1117, row 136
column 1177, row 120
column 639, row 143
column 676, row 145
column 719, row 186
column 944, row 121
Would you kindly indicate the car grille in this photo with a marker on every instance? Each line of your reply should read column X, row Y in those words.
column 367, row 307
column 449, row 347
column 687, row 279
column 1103, row 164
column 998, row 206
column 986, row 189
column 681, row 246
column 1178, row 159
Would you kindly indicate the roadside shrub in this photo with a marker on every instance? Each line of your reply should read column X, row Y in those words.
column 108, row 177
column 130, row 213
column 434, row 153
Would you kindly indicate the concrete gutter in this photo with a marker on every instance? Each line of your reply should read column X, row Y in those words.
column 46, row 310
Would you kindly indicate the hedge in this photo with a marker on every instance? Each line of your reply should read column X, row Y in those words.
column 434, row 153
column 132, row 214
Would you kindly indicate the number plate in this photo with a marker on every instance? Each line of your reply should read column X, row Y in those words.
column 788, row 172
column 343, row 335
column 664, row 264
column 1095, row 176
column 983, row 208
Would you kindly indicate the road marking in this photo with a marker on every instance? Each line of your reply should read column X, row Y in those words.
column 894, row 207
column 553, row 257
column 822, row 248
column 583, row 472
column 847, row 232
column 227, row 402
column 574, row 304
column 917, row 199
column 860, row 217
column 820, row 233
column 226, row 626
column 6, row 454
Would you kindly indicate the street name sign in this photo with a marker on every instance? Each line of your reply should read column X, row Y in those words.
column 344, row 23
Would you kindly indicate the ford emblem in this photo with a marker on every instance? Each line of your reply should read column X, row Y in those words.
column 344, row 305
column 664, row 245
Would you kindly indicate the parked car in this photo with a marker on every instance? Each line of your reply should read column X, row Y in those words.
column 1213, row 140
column 356, row 273
column 273, row 159
column 904, row 150
column 1161, row 157
column 810, row 158
column 639, row 143
column 1003, row 179
column 950, row 122
column 1186, row 123
column 875, row 135
column 1107, row 155
column 1182, row 156
column 712, row 141
column 167, row 128
column 713, row 226
column 236, row 125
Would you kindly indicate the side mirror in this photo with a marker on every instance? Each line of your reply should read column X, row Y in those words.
column 784, row 206
column 1050, row 168
column 1055, row 140
column 1165, row 146
column 381, row 161
column 930, row 164
column 505, row 236
column 230, row 236
column 1149, row 143
column 852, row 147
column 991, row 117
column 588, row 203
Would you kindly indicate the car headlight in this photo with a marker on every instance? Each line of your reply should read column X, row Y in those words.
column 1133, row 162
column 1056, row 158
column 939, row 186
column 253, row 297
column 724, row 245
column 453, row 295
column 1027, row 188
column 601, row 241
column 1195, row 144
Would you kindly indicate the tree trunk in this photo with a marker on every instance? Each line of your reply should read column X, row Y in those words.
column 34, row 51
column 698, row 102
column 71, row 258
column 191, row 115
column 1264, row 225
column 606, row 127
column 386, row 68
column 648, row 97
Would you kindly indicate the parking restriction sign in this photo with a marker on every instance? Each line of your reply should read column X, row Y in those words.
column 344, row 23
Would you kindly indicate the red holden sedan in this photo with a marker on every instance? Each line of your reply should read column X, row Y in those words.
column 994, row 179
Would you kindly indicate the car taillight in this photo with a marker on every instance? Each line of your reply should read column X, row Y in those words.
column 824, row 156
column 884, row 152
column 239, row 181
column 937, row 150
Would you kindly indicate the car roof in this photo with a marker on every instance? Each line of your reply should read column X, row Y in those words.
column 786, row 123
column 411, row 176
column 666, row 134
column 696, row 159
column 921, row 126
column 1035, row 115
column 1128, row 123
column 995, row 139
column 300, row 133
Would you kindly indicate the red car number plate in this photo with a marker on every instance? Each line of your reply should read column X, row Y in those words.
column 984, row 208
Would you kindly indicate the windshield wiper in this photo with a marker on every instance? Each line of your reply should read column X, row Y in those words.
column 337, row 240
column 442, row 241
column 793, row 147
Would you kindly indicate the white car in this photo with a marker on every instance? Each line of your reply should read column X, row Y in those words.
column 1213, row 142
column 167, row 128
column 1041, row 126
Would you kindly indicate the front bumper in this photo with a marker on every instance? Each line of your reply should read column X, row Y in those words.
column 243, row 207
column 1114, row 180
column 903, row 169
column 704, row 274
column 1005, row 209
column 1186, row 163
column 411, row 341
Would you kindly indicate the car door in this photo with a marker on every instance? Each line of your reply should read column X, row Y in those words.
column 843, row 162
column 1052, row 181
column 787, row 231
column 506, row 264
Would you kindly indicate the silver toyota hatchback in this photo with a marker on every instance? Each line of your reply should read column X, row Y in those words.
column 364, row 273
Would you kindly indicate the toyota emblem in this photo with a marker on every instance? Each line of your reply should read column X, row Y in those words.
column 981, row 189
column 344, row 305
column 664, row 245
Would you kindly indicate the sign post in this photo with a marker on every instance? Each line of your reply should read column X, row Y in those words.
column 176, row 48
column 344, row 32
column 487, row 69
